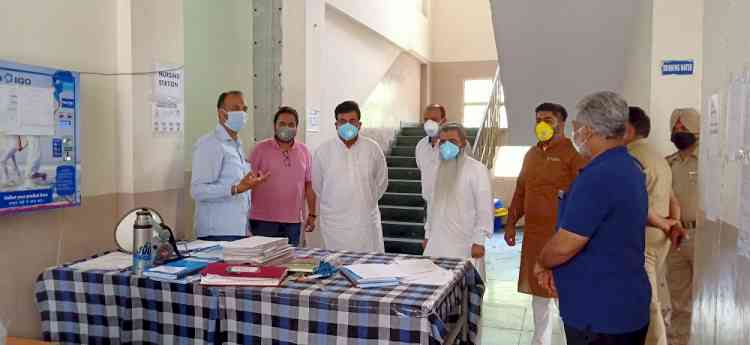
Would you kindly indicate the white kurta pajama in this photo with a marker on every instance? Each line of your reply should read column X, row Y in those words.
column 466, row 219
column 349, row 182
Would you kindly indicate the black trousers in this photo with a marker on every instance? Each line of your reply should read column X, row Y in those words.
column 580, row 337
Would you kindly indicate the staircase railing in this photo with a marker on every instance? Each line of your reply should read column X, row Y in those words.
column 490, row 133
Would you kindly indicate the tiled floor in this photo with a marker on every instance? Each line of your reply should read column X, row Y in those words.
column 507, row 317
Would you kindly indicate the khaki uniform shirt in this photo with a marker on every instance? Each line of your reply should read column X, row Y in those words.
column 685, row 185
column 658, row 176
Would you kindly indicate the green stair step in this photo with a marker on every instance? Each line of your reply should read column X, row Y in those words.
column 403, row 151
column 418, row 131
column 403, row 230
column 401, row 162
column 401, row 213
column 397, row 246
column 402, row 199
column 404, row 173
column 404, row 186
column 411, row 141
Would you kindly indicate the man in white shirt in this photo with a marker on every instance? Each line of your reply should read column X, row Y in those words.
column 427, row 148
column 349, row 176
column 460, row 211
column 221, row 177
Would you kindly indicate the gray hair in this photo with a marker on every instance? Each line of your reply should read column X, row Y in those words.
column 605, row 112
column 454, row 126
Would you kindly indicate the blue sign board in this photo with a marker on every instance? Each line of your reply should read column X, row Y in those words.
column 677, row 67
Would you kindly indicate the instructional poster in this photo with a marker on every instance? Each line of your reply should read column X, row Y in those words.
column 40, row 166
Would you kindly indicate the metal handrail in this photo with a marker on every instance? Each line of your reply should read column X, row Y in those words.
column 488, row 135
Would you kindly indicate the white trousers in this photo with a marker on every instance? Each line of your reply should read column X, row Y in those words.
column 545, row 316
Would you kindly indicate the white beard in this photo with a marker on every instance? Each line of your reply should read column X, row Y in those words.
column 445, row 190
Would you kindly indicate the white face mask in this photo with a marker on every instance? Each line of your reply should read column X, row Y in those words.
column 432, row 128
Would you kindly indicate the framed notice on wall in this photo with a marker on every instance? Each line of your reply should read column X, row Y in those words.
column 40, row 165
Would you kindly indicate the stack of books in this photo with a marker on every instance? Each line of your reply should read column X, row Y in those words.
column 179, row 271
column 302, row 265
column 258, row 250
column 224, row 274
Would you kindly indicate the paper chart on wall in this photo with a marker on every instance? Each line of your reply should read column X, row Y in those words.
column 743, row 237
column 711, row 162
column 27, row 110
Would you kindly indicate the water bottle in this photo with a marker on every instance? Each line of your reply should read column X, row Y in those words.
column 143, row 232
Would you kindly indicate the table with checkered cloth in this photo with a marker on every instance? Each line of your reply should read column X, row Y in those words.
column 331, row 311
column 98, row 307
column 117, row 307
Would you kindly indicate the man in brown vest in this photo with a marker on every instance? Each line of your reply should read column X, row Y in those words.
column 548, row 168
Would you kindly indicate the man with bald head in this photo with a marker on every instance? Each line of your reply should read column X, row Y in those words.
column 685, row 125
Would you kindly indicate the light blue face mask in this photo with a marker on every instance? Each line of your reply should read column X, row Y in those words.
column 236, row 120
column 449, row 150
column 348, row 131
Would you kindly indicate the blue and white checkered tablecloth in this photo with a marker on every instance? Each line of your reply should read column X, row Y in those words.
column 331, row 311
column 119, row 308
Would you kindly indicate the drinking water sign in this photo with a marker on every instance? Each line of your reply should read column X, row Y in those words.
column 677, row 67
column 40, row 164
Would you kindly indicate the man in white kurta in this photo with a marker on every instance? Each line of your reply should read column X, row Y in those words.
column 460, row 211
column 349, row 177
column 426, row 151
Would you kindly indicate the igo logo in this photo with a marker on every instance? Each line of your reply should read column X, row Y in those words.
column 9, row 78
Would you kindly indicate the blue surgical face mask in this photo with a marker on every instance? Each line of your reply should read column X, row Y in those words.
column 236, row 120
column 449, row 151
column 348, row 131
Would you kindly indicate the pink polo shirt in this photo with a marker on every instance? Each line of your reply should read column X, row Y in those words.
column 281, row 198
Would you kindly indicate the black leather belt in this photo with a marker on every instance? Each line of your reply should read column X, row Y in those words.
column 689, row 225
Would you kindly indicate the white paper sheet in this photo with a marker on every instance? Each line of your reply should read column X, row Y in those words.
column 743, row 237
column 398, row 269
column 8, row 108
column 736, row 115
column 108, row 262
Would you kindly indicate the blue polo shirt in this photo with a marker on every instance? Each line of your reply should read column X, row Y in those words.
column 604, row 288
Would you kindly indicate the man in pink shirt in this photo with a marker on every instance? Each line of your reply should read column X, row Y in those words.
column 277, row 208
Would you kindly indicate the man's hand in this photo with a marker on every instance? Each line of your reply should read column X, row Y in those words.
column 477, row 251
column 424, row 243
column 510, row 235
column 545, row 278
column 677, row 234
column 666, row 224
column 251, row 181
column 310, row 224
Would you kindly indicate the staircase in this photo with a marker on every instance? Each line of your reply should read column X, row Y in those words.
column 402, row 208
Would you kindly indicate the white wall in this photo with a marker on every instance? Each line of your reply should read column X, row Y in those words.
column 49, row 33
column 354, row 60
column 218, row 57
column 462, row 31
column 400, row 21
column 558, row 54
column 637, row 89
column 677, row 35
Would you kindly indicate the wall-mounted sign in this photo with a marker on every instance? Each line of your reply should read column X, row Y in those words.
column 677, row 67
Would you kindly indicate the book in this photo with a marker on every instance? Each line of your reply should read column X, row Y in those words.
column 225, row 274
column 177, row 269
column 366, row 283
column 303, row 265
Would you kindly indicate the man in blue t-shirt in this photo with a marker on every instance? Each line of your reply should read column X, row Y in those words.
column 595, row 262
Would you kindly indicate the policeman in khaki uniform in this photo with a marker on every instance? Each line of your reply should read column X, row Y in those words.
column 663, row 211
column 685, row 124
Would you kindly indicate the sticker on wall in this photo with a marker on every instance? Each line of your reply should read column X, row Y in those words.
column 313, row 121
column 677, row 67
